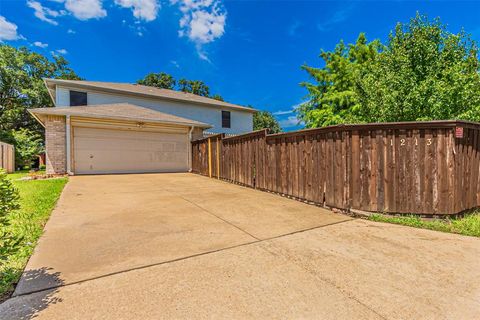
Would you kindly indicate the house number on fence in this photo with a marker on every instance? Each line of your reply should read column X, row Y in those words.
column 403, row 142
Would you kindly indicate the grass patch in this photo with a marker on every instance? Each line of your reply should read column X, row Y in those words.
column 22, row 174
column 469, row 225
column 37, row 199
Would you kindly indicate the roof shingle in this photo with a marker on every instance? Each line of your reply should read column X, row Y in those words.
column 119, row 111
column 138, row 89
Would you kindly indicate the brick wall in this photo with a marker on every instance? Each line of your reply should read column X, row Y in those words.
column 55, row 145
column 197, row 133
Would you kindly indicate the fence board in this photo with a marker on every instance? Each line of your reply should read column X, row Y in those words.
column 7, row 157
column 421, row 168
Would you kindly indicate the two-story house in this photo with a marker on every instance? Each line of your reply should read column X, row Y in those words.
column 103, row 127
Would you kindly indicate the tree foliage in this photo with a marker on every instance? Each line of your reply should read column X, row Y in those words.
column 160, row 80
column 166, row 81
column 28, row 144
column 8, row 197
column 423, row 72
column 21, row 86
column 265, row 120
column 9, row 201
column 194, row 86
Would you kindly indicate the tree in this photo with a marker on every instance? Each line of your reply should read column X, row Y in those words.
column 423, row 72
column 332, row 98
column 166, row 81
column 217, row 97
column 194, row 86
column 160, row 80
column 21, row 87
column 265, row 120
column 28, row 145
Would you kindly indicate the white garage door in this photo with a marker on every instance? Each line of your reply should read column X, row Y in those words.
column 124, row 151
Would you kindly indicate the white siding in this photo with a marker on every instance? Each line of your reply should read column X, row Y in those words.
column 241, row 121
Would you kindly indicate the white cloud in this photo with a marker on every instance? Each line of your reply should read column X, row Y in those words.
column 8, row 30
column 293, row 28
column 86, row 9
column 40, row 44
column 70, row 31
column 283, row 112
column 337, row 18
column 142, row 9
column 203, row 21
column 291, row 121
column 175, row 63
column 59, row 51
column 44, row 13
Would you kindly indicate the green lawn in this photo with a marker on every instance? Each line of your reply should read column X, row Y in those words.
column 468, row 225
column 37, row 199
column 22, row 173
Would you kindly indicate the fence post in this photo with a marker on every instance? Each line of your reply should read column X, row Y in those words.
column 209, row 158
column 218, row 157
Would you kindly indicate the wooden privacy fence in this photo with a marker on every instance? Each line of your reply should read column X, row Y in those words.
column 411, row 167
column 7, row 157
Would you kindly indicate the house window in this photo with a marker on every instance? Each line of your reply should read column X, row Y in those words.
column 225, row 119
column 78, row 98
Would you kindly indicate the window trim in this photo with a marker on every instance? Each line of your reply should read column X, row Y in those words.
column 70, row 98
column 225, row 113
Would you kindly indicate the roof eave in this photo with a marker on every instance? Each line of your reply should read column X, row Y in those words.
column 36, row 117
column 52, row 96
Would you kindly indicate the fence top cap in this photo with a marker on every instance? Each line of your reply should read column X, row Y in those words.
column 434, row 124
column 4, row 143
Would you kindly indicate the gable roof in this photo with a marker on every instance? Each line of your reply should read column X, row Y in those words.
column 141, row 90
column 118, row 111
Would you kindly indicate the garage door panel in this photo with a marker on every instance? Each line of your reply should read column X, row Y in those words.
column 120, row 151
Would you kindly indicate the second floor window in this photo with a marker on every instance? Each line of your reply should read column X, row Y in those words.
column 225, row 119
column 78, row 98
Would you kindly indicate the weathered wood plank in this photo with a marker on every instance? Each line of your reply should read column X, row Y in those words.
column 405, row 168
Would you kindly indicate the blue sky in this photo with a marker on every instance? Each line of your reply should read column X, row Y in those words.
column 250, row 52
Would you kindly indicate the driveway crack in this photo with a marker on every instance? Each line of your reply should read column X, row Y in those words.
column 214, row 215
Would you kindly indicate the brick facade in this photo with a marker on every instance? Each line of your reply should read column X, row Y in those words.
column 197, row 133
column 55, row 144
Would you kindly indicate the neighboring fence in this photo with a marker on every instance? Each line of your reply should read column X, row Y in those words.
column 411, row 167
column 7, row 157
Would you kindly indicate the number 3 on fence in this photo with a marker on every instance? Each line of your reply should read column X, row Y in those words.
column 403, row 142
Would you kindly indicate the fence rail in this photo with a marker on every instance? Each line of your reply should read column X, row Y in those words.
column 412, row 167
column 7, row 157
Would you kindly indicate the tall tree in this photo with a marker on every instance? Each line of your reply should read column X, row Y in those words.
column 166, row 81
column 423, row 72
column 197, row 87
column 265, row 120
column 332, row 97
column 160, row 80
column 21, row 87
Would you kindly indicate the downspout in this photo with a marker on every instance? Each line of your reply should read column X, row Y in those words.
column 68, row 146
column 190, row 149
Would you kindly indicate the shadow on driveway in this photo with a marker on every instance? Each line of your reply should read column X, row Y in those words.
column 37, row 301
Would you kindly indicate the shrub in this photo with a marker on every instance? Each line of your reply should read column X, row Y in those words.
column 28, row 145
column 8, row 202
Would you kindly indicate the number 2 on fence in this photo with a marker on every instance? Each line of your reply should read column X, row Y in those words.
column 403, row 142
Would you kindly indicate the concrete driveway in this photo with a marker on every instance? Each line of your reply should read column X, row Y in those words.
column 184, row 246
